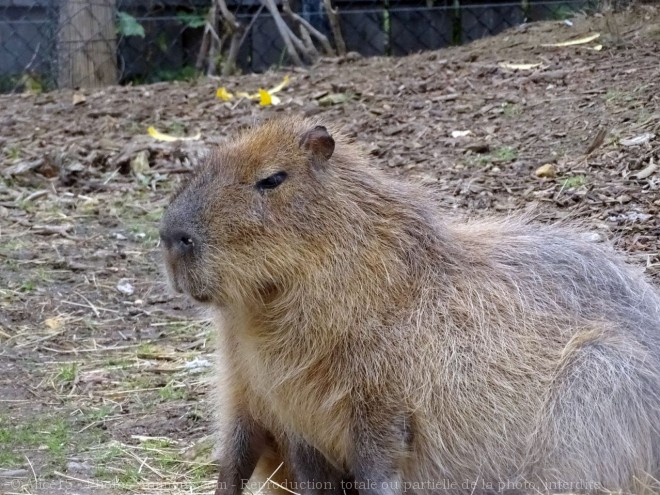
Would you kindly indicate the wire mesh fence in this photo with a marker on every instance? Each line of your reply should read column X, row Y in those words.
column 46, row 44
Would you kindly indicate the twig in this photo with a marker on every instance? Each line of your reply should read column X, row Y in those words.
column 268, row 479
column 597, row 141
column 34, row 475
column 36, row 195
column 143, row 462
column 98, row 349
column 100, row 485
column 94, row 308
column 96, row 311
column 104, row 420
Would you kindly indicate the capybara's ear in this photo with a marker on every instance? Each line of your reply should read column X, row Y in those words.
column 319, row 142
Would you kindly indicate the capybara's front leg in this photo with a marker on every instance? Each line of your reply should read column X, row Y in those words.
column 246, row 442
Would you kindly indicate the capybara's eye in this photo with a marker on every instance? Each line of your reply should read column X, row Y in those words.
column 272, row 181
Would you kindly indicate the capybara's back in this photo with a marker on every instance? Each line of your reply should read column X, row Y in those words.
column 549, row 364
column 372, row 338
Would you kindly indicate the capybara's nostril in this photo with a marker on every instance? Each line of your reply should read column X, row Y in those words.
column 177, row 240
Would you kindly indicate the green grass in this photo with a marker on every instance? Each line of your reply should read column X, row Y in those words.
column 131, row 476
column 616, row 97
column 170, row 392
column 175, row 128
column 142, row 224
column 111, row 453
column 13, row 152
column 165, row 456
column 56, row 435
column 51, row 434
column 27, row 286
column 576, row 181
column 39, row 279
column 144, row 233
column 10, row 459
column 503, row 154
column 99, row 413
column 511, row 110
column 67, row 373
column 7, row 457
column 122, row 363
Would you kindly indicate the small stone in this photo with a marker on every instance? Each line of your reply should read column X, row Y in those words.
column 547, row 171
column 78, row 467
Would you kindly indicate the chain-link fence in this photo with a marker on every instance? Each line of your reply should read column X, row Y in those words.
column 46, row 44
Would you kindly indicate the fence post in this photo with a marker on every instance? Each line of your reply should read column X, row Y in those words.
column 87, row 44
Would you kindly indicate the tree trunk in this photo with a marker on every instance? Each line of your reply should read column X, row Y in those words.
column 336, row 29
column 87, row 44
column 235, row 30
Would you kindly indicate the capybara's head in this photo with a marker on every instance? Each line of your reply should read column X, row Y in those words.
column 255, row 212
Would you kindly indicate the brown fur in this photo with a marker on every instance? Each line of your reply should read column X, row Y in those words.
column 355, row 319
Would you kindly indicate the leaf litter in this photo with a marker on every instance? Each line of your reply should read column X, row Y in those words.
column 95, row 350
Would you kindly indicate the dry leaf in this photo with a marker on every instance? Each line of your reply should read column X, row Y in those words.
column 54, row 323
column 280, row 86
column 140, row 163
column 264, row 98
column 579, row 41
column 646, row 171
column 511, row 66
column 261, row 95
column 334, row 99
column 637, row 140
column 267, row 98
column 597, row 141
column 167, row 138
column 223, row 94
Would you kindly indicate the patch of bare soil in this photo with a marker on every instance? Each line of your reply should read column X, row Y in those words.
column 102, row 372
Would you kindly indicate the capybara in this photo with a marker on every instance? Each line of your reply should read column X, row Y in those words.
column 371, row 340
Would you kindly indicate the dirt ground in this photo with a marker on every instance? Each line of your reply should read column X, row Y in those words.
column 103, row 372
